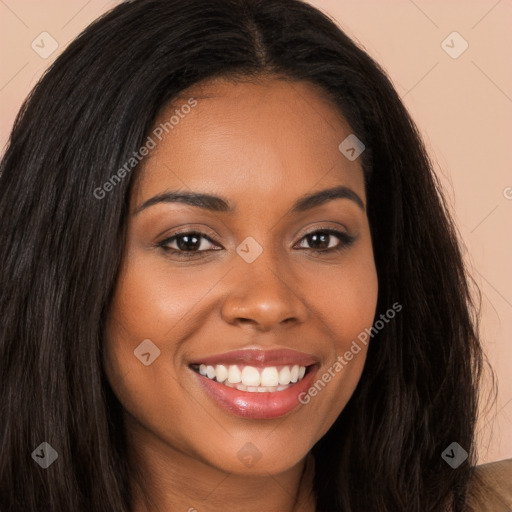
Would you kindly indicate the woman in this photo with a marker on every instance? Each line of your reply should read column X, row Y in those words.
column 229, row 279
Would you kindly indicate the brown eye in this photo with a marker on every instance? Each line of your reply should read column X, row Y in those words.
column 190, row 242
column 326, row 240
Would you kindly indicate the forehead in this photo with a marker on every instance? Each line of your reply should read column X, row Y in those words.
column 266, row 138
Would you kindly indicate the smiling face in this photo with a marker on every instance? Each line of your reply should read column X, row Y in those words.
column 273, row 279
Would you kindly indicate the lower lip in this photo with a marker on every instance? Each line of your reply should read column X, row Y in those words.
column 259, row 406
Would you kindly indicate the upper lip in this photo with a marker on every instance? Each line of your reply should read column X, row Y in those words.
column 259, row 357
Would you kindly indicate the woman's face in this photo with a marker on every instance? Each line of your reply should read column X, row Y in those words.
column 261, row 284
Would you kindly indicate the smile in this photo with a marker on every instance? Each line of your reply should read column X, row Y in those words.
column 256, row 384
column 269, row 379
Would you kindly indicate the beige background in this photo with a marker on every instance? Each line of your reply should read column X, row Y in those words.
column 462, row 105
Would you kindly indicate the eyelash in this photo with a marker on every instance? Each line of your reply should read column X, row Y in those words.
column 346, row 241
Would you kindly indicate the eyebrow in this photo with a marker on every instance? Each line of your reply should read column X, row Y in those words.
column 220, row 204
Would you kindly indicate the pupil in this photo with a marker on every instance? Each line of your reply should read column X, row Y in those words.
column 188, row 242
column 323, row 238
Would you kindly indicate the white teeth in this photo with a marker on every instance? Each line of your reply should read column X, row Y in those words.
column 221, row 373
column 210, row 372
column 250, row 376
column 269, row 376
column 254, row 380
column 284, row 376
column 234, row 374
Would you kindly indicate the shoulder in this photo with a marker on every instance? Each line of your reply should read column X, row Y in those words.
column 490, row 487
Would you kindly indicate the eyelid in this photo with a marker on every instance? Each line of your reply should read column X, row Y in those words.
column 337, row 228
column 201, row 230
column 340, row 229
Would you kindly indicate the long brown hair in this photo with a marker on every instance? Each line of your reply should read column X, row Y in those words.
column 61, row 247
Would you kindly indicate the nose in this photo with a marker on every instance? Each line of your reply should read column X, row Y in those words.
column 263, row 296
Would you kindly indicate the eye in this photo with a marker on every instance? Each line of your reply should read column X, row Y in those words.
column 187, row 244
column 191, row 244
column 326, row 241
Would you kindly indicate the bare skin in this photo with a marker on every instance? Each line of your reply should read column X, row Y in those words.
column 261, row 146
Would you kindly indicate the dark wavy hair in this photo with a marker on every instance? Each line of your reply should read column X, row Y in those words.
column 60, row 250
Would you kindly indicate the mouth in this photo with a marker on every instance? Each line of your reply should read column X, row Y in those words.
column 268, row 379
column 256, row 384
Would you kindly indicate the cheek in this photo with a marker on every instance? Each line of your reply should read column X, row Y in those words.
column 145, row 307
column 151, row 301
column 344, row 301
column 344, row 296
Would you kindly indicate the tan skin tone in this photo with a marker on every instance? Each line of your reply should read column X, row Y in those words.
column 261, row 146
